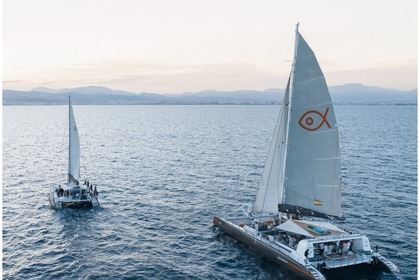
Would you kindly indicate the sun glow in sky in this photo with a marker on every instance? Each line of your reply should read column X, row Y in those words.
column 167, row 46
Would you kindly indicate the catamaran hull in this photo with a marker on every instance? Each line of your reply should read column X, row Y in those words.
column 378, row 263
column 276, row 256
column 71, row 205
column 58, row 204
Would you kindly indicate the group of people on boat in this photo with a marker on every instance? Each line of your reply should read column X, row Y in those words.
column 338, row 248
column 288, row 239
column 266, row 226
column 321, row 250
column 92, row 189
column 269, row 228
column 67, row 193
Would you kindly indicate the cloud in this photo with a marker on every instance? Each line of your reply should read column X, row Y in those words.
column 160, row 78
column 177, row 78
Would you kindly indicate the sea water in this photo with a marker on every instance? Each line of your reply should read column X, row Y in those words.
column 163, row 172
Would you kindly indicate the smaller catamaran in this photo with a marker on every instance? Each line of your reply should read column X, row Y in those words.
column 302, row 178
column 73, row 194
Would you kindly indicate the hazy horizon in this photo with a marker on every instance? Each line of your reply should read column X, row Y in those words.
column 189, row 46
column 48, row 89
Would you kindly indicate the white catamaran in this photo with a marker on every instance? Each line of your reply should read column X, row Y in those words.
column 302, row 178
column 73, row 194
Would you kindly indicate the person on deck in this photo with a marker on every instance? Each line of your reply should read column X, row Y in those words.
column 292, row 241
column 326, row 249
column 345, row 248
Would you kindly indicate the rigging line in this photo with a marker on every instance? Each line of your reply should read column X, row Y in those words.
column 290, row 83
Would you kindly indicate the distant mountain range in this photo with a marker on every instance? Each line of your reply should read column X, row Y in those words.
column 345, row 94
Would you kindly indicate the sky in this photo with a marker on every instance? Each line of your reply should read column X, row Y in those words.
column 167, row 46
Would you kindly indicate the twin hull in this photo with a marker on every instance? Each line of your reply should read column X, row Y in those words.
column 269, row 252
column 60, row 202
column 291, row 260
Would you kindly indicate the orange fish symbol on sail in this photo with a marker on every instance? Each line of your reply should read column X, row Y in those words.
column 313, row 120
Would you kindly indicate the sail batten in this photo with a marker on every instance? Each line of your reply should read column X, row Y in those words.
column 321, row 159
column 304, row 157
column 310, row 80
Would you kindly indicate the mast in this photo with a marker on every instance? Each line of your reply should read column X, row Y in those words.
column 271, row 190
column 292, row 82
column 69, row 158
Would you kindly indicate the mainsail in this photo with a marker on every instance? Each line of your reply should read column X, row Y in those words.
column 74, row 148
column 303, row 170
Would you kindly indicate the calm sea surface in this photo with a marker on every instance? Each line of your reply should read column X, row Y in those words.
column 163, row 172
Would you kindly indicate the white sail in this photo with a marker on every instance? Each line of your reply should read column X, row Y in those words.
column 270, row 191
column 74, row 148
column 302, row 174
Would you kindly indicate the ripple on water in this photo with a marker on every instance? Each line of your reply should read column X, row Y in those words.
column 164, row 171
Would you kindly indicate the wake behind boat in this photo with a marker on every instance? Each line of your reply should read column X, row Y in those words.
column 302, row 178
column 72, row 194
